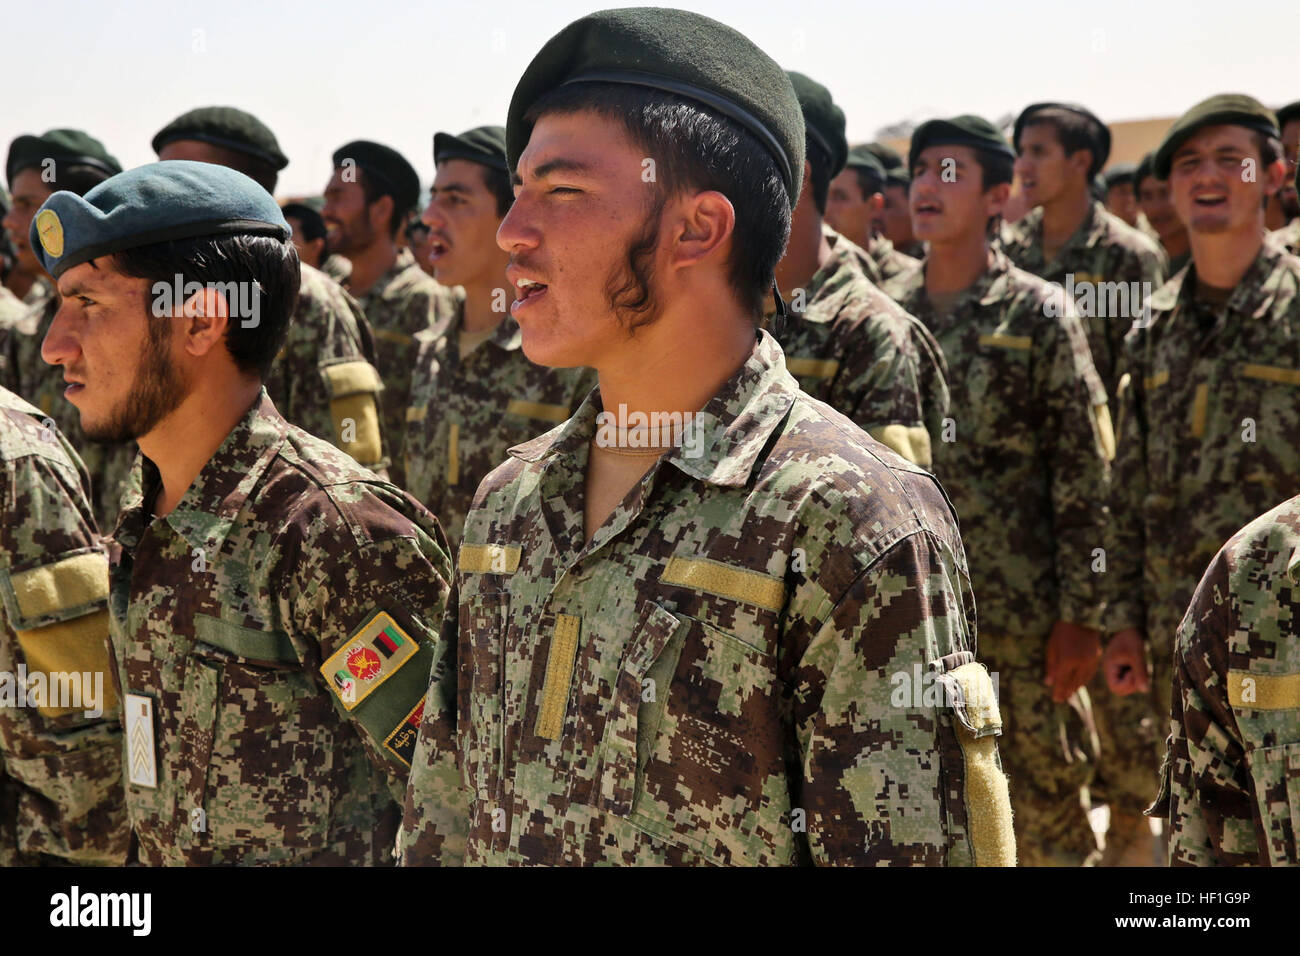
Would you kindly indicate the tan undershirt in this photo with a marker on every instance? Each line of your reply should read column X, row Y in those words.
column 613, row 471
column 469, row 341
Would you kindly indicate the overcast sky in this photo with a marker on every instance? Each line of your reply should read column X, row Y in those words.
column 322, row 73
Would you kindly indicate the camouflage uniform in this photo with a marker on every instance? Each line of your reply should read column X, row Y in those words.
column 24, row 372
column 325, row 374
column 709, row 680
column 466, row 413
column 60, row 770
column 889, row 261
column 1232, row 790
column 12, row 308
column 853, row 347
column 1209, row 436
column 281, row 619
column 336, row 267
column 1288, row 237
column 402, row 302
column 1103, row 249
column 1026, row 461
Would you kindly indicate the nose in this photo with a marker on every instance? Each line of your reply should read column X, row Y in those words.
column 1021, row 166
column 59, row 346
column 517, row 230
column 431, row 216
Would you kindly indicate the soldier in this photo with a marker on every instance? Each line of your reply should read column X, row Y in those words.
column 37, row 166
column 845, row 341
column 1230, row 796
column 419, row 239
column 367, row 202
column 1153, row 199
column 694, row 659
column 60, row 750
column 1285, row 206
column 308, row 231
column 1025, row 456
column 1121, row 193
column 324, row 378
column 895, row 218
column 11, row 306
column 1070, row 238
column 273, row 603
column 474, row 394
column 1210, row 420
column 853, row 203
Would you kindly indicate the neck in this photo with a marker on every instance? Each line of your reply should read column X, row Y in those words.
column 482, row 293
column 1223, row 258
column 183, row 442
column 805, row 253
column 1175, row 244
column 679, row 363
column 955, row 265
column 369, row 264
column 1063, row 216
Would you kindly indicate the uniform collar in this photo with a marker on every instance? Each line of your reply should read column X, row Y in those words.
column 1262, row 279
column 731, row 431
column 988, row 289
column 405, row 260
column 835, row 275
column 1090, row 232
column 507, row 336
column 210, row 505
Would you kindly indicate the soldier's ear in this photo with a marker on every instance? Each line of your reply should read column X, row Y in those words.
column 206, row 316
column 701, row 224
column 876, row 204
column 995, row 199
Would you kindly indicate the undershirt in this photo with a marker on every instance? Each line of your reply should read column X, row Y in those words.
column 612, row 471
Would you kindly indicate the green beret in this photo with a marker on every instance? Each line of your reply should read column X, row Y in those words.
column 1234, row 109
column 860, row 157
column 313, row 224
column 485, row 145
column 1100, row 132
column 823, row 120
column 899, row 176
column 889, row 157
column 1120, row 173
column 1288, row 113
column 154, row 203
column 393, row 175
column 672, row 51
column 967, row 130
column 224, row 126
column 70, row 146
column 1145, row 168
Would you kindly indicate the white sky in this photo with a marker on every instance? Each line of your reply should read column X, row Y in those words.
column 322, row 73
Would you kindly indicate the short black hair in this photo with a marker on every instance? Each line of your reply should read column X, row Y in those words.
column 995, row 168
column 819, row 162
column 498, row 184
column 1073, row 131
column 869, row 181
column 695, row 147
column 375, row 189
column 269, row 266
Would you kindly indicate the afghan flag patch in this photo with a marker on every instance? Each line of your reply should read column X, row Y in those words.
column 372, row 655
column 401, row 742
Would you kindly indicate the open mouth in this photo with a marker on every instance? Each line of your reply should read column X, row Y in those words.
column 528, row 292
column 438, row 248
column 1211, row 201
column 927, row 209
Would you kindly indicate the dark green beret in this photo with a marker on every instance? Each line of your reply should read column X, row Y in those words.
column 1100, row 132
column 898, row 176
column 860, row 157
column 889, row 157
column 673, row 51
column 1145, row 168
column 392, row 174
column 224, row 126
column 485, row 145
column 313, row 224
column 61, row 145
column 1226, row 109
column 967, row 130
column 178, row 199
column 823, row 120
column 1288, row 113
column 1120, row 173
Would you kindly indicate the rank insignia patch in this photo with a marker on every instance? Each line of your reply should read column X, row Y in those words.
column 372, row 655
column 401, row 742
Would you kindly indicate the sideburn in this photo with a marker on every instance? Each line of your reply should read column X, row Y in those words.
column 628, row 290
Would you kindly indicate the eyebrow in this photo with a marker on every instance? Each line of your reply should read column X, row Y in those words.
column 451, row 188
column 555, row 166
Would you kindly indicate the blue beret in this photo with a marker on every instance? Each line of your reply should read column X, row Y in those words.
column 177, row 199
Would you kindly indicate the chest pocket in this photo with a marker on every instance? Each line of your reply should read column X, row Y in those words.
column 1266, row 427
column 998, row 403
column 693, row 751
column 1266, row 707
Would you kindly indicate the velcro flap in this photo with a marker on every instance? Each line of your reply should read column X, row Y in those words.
column 351, row 377
column 812, row 367
column 714, row 577
column 1021, row 343
column 68, row 655
column 1272, row 373
column 245, row 642
column 68, row 588
column 1263, row 691
column 548, row 413
column 489, row 558
column 973, row 698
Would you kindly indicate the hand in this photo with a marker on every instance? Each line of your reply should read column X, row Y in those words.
column 1126, row 663
column 1073, row 653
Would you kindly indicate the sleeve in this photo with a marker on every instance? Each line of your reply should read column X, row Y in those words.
column 879, row 386
column 1125, row 604
column 1079, row 446
column 1211, row 809
column 435, row 822
column 62, row 754
column 375, row 611
column 895, row 722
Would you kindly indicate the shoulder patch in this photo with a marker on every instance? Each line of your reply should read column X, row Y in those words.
column 377, row 651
